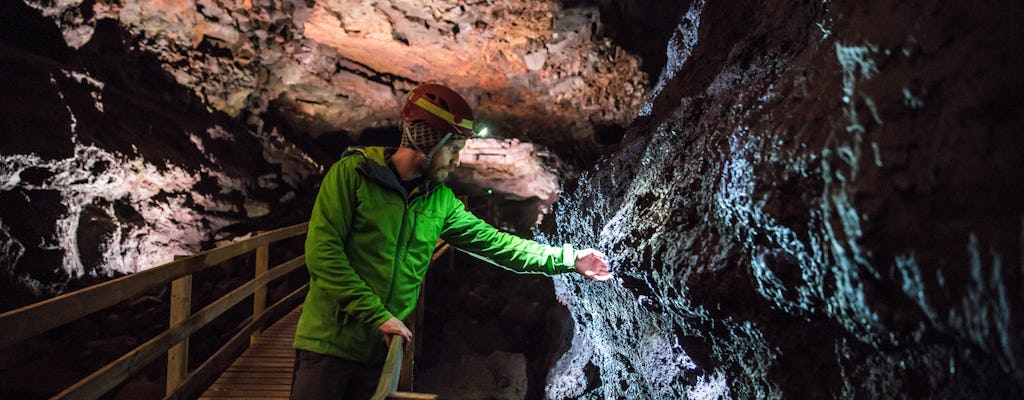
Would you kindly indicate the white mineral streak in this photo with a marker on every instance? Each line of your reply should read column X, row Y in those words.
column 95, row 176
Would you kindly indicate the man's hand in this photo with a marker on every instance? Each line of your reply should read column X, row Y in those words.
column 593, row 265
column 394, row 326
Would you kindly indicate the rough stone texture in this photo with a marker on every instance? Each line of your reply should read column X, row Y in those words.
column 533, row 67
column 823, row 201
column 499, row 376
column 109, row 167
column 488, row 333
column 820, row 199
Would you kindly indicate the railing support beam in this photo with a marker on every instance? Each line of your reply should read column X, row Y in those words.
column 181, row 308
column 259, row 297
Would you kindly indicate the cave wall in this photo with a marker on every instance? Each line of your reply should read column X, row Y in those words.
column 109, row 166
column 819, row 200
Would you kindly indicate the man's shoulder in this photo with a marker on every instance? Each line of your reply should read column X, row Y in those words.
column 355, row 156
column 362, row 152
column 443, row 195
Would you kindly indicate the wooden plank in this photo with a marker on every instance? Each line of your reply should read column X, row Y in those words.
column 266, row 397
column 273, row 344
column 250, row 394
column 249, row 374
column 242, row 365
column 411, row 396
column 252, row 356
column 106, row 378
column 263, row 397
column 269, row 345
column 31, row 320
column 268, row 378
column 220, row 361
column 275, row 371
column 222, row 389
column 259, row 367
column 247, row 395
column 283, row 353
column 260, row 358
column 181, row 307
column 281, row 384
column 277, row 380
column 264, row 356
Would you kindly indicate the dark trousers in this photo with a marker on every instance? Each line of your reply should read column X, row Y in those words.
column 322, row 377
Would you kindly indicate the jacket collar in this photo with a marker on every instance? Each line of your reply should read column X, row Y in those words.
column 375, row 167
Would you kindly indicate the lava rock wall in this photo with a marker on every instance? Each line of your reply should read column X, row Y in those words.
column 532, row 67
column 109, row 167
column 820, row 200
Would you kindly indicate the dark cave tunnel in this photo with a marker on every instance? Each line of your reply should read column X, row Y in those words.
column 798, row 199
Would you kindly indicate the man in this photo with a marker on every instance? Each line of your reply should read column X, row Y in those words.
column 371, row 235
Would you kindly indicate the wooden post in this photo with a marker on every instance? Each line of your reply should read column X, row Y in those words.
column 259, row 297
column 413, row 322
column 181, row 308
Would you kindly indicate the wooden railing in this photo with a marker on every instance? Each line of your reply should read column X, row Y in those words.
column 29, row 321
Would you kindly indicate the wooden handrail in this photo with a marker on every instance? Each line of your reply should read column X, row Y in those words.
column 106, row 378
column 388, row 382
column 34, row 319
column 37, row 318
column 31, row 320
column 199, row 379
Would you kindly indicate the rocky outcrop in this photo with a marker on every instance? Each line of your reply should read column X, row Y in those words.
column 111, row 168
column 823, row 201
column 531, row 67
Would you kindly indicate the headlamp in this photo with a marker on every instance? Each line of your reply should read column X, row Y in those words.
column 481, row 131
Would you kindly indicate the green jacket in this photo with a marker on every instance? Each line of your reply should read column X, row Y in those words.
column 369, row 245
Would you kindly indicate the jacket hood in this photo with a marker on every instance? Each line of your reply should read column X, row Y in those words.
column 375, row 166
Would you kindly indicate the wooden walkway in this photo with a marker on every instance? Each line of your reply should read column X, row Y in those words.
column 264, row 370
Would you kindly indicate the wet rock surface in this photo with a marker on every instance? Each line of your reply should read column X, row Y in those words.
column 823, row 203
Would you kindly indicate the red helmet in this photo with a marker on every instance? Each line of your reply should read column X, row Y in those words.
column 441, row 108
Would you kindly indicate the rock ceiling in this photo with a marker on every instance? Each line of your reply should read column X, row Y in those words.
column 535, row 70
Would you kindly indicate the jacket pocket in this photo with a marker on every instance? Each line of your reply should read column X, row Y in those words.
column 428, row 227
column 358, row 341
column 319, row 319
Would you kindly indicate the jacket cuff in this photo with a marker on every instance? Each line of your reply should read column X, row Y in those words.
column 381, row 318
column 568, row 259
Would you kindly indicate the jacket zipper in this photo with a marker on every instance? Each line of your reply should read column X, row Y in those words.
column 399, row 249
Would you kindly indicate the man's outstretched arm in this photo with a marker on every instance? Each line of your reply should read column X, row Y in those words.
column 475, row 236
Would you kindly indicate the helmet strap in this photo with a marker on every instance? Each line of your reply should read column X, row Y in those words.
column 428, row 157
